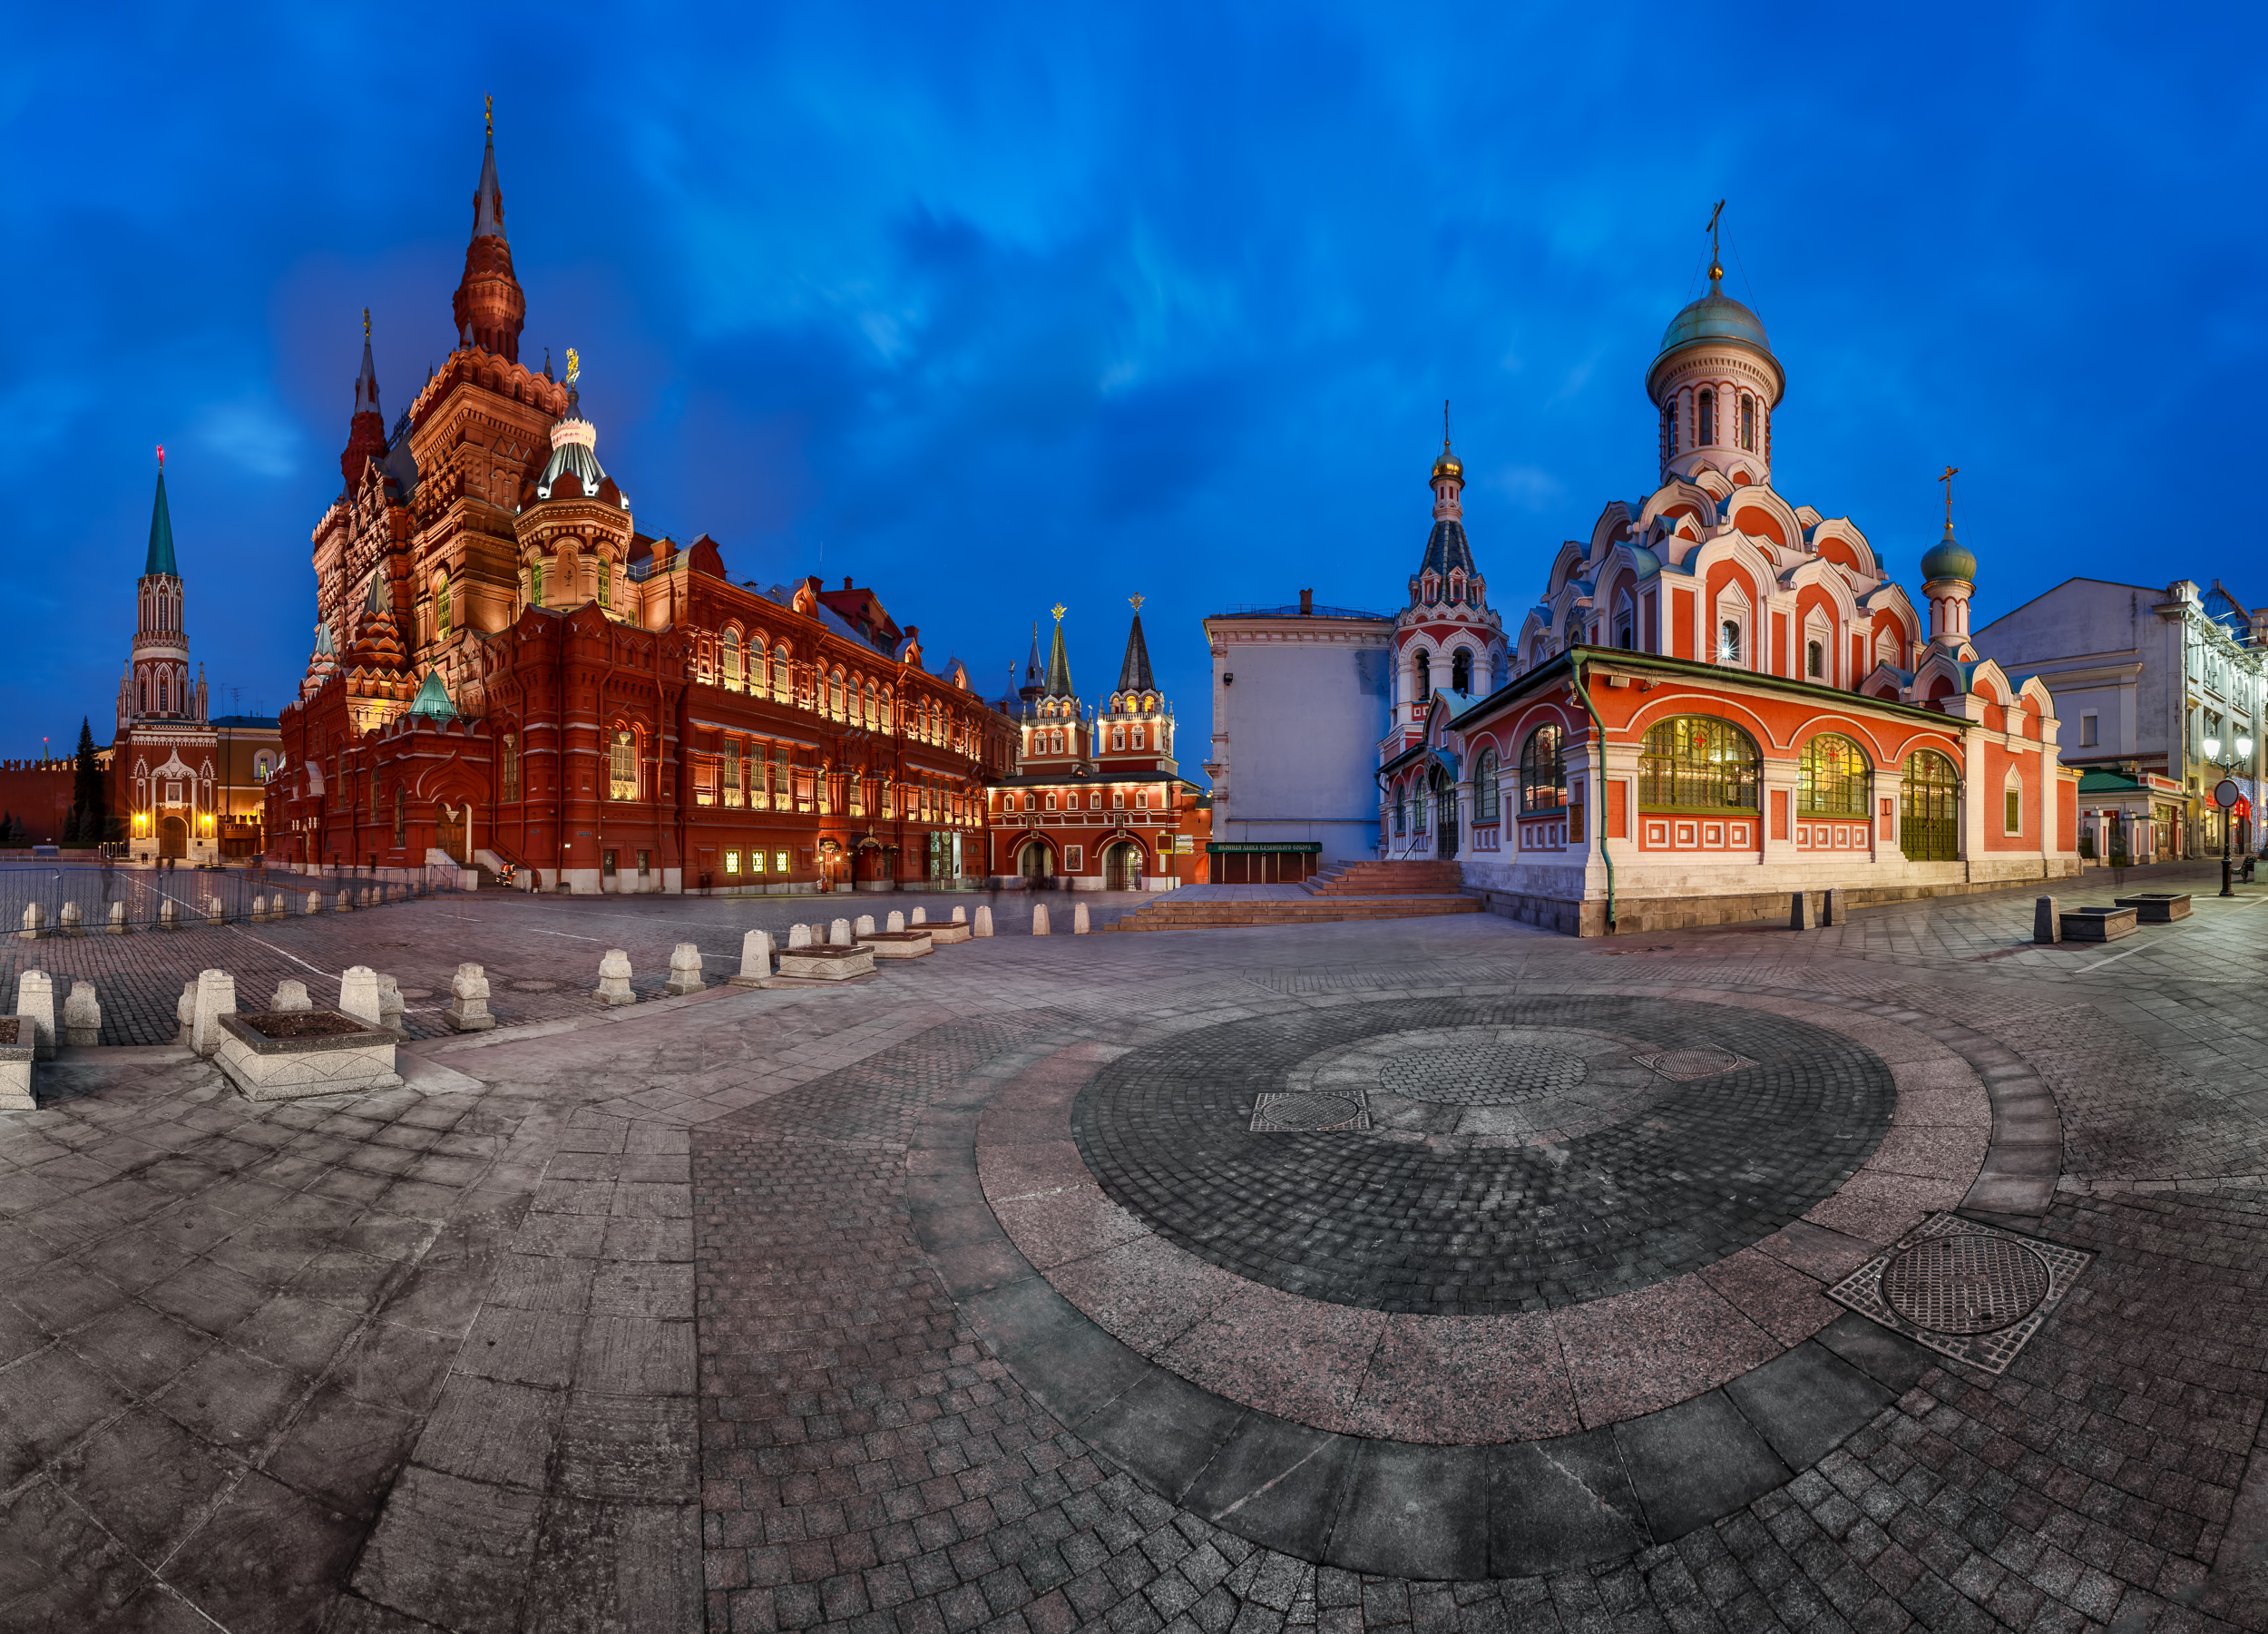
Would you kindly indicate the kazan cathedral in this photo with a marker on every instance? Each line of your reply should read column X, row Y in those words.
column 1720, row 698
column 509, row 674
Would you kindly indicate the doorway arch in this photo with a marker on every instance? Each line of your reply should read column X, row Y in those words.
column 1036, row 861
column 455, row 821
column 172, row 836
column 1122, row 867
column 1444, row 801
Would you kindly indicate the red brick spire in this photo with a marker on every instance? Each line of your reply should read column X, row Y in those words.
column 490, row 306
column 366, row 432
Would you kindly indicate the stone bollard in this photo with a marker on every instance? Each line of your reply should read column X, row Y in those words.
column 118, row 919
column 358, row 995
column 865, row 926
column 838, row 935
column 70, row 926
column 315, row 902
column 756, row 960
column 614, row 979
column 213, row 915
column 82, row 1016
column 290, row 996
column 36, row 1009
column 961, row 915
column 983, row 921
column 259, row 910
column 1039, row 920
column 467, row 1010
column 895, row 923
column 2047, row 923
column 345, row 903
column 369, row 898
column 390, row 1005
column 1799, row 916
column 1835, row 907
column 685, row 971
column 798, row 936
column 921, row 916
column 1078, row 919
column 216, row 997
column 185, row 1011
column 168, row 914
column 34, row 921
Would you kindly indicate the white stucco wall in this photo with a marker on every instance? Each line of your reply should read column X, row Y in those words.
column 1296, row 733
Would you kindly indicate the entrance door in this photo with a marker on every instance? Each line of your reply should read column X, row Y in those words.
column 1122, row 867
column 452, row 837
column 1445, row 807
column 1037, row 860
column 172, row 836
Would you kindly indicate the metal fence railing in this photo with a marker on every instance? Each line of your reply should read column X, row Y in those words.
column 49, row 899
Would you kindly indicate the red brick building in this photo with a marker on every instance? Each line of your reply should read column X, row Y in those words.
column 1097, row 801
column 507, row 672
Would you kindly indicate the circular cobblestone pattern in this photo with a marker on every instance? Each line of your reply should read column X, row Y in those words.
column 1453, row 1225
column 1481, row 1074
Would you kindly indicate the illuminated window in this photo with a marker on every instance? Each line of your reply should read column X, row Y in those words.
column 511, row 768
column 756, row 861
column 732, row 862
column 1543, row 770
column 1832, row 779
column 1486, row 797
column 1729, row 642
column 1696, row 762
column 1748, row 422
column 621, row 770
column 441, row 609
column 782, row 688
column 729, row 659
column 780, row 862
column 734, row 793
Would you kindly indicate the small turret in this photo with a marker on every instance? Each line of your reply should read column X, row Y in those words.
column 366, row 430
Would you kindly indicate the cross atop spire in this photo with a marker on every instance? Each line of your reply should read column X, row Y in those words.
column 1716, row 261
column 1950, row 473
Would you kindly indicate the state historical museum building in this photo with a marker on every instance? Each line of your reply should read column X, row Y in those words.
column 506, row 670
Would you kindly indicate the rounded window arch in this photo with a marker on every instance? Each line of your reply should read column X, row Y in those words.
column 728, row 658
column 1543, row 769
column 1707, row 436
column 1461, row 671
column 835, row 694
column 1697, row 763
column 1424, row 662
column 1815, row 660
column 1929, row 808
column 1486, row 799
column 1747, row 422
column 782, row 688
column 2012, row 803
column 1831, row 777
column 621, row 765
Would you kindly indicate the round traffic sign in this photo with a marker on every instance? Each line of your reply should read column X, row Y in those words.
column 2225, row 793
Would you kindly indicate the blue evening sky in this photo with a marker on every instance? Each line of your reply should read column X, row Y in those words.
column 991, row 307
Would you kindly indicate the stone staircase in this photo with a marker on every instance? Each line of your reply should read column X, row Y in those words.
column 1386, row 879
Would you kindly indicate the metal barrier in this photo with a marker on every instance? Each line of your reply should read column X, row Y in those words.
column 114, row 898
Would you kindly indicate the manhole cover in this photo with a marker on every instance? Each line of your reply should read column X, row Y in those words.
column 1684, row 1065
column 534, row 986
column 1304, row 1110
column 1965, row 1283
column 1481, row 1074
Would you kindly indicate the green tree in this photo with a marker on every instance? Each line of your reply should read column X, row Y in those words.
column 89, row 820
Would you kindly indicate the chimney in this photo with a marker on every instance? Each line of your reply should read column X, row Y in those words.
column 846, row 584
column 1306, row 602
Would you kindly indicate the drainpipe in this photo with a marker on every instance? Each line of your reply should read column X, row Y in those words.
column 1599, row 726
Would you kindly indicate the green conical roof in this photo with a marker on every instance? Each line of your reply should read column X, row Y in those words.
column 1059, row 684
column 160, row 536
column 433, row 699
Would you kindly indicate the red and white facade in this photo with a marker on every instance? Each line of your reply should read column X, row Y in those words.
column 1721, row 697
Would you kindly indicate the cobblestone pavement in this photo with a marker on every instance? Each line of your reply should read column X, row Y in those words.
column 687, row 1314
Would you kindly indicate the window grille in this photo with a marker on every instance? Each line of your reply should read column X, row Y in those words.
column 1696, row 762
column 1543, row 769
column 1831, row 777
column 623, row 768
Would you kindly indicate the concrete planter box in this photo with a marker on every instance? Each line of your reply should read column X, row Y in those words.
column 16, row 1067
column 826, row 961
column 2157, row 908
column 289, row 1053
column 898, row 945
column 944, row 936
column 2100, row 925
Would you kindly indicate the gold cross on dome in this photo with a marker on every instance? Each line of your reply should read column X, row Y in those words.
column 1135, row 602
column 1059, row 610
column 1950, row 473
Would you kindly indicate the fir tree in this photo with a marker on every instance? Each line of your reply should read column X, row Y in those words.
column 89, row 820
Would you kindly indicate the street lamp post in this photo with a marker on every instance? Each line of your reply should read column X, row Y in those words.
column 2225, row 794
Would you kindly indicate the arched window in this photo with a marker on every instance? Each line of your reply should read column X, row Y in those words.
column 401, row 815
column 1625, row 624
column 1696, row 762
column 1543, row 770
column 163, row 705
column 1400, row 810
column 1461, row 671
column 621, row 767
column 441, row 608
column 835, row 694
column 781, row 688
column 1669, row 430
column 1729, row 642
column 1815, row 660
column 1748, row 422
column 1707, row 437
column 1831, row 777
column 145, row 695
column 729, row 659
column 1929, row 808
column 1424, row 678
column 1485, row 797
column 2012, row 804
column 536, row 582
column 509, row 770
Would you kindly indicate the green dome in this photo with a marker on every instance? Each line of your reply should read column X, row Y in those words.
column 1715, row 316
column 1946, row 560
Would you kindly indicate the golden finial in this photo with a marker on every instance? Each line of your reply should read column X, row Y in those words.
column 1444, row 424
column 1060, row 609
column 366, row 323
column 1950, row 473
column 1135, row 601
column 490, row 112
column 574, row 366
column 1716, row 261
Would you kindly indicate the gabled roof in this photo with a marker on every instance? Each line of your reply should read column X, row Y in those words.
column 433, row 699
